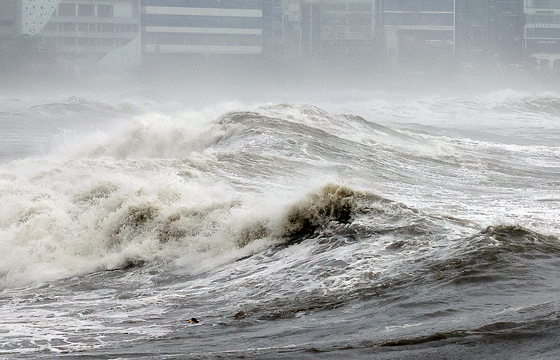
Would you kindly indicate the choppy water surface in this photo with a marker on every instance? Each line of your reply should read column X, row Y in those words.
column 385, row 226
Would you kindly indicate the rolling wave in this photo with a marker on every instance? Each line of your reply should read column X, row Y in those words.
column 163, row 186
column 398, row 228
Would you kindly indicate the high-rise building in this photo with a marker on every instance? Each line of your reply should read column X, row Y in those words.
column 489, row 30
column 217, row 27
column 8, row 18
column 471, row 36
column 273, row 28
column 506, row 29
column 348, row 27
column 83, row 34
column 418, row 33
column 542, row 31
column 331, row 27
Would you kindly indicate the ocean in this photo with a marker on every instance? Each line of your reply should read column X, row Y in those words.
column 361, row 225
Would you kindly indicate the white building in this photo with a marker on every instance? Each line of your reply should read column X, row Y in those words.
column 542, row 32
column 83, row 34
column 226, row 27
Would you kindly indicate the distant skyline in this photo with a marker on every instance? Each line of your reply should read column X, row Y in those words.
column 84, row 35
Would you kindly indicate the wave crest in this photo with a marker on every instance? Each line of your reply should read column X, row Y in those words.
column 330, row 203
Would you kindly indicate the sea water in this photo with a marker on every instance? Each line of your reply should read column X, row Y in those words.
column 379, row 225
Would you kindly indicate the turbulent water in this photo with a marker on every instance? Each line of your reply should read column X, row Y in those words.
column 380, row 226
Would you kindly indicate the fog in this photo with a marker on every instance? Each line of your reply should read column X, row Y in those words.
column 255, row 48
column 58, row 57
column 351, row 178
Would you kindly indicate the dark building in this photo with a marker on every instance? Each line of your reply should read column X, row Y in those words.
column 336, row 32
column 337, row 26
column 311, row 37
column 348, row 27
column 489, row 30
column 418, row 33
column 8, row 18
column 506, row 29
column 273, row 36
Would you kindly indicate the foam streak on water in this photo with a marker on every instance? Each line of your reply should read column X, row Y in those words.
column 387, row 226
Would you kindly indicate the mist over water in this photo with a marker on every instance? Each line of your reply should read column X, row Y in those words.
column 295, row 217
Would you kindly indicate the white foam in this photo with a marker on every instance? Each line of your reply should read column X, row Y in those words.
column 63, row 214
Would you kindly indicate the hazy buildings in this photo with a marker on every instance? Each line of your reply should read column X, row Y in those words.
column 472, row 29
column 8, row 15
column 273, row 29
column 506, row 29
column 337, row 27
column 542, row 31
column 408, row 34
column 418, row 33
column 7, row 18
column 82, row 34
column 225, row 27
column 489, row 31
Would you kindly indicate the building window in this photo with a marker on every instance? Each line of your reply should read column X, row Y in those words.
column 86, row 10
column 65, row 9
column 49, row 43
column 68, row 41
column 83, row 41
column 51, row 26
column 106, row 27
column 129, row 28
column 105, row 10
column 68, row 26
column 107, row 42
column 83, row 27
column 360, row 7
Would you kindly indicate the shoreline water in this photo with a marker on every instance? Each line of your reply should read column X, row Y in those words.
column 128, row 212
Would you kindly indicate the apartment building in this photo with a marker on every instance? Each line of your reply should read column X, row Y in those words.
column 7, row 18
column 329, row 27
column 86, row 34
column 347, row 26
column 542, row 32
column 418, row 32
column 83, row 34
column 211, row 27
column 506, row 29
column 489, row 30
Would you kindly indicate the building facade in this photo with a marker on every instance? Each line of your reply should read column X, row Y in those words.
column 83, row 34
column 348, row 27
column 226, row 27
column 8, row 18
column 411, row 34
column 418, row 32
column 489, row 30
column 506, row 29
column 329, row 28
column 542, row 32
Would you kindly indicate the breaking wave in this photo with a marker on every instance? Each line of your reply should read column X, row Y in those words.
column 193, row 185
column 397, row 227
column 49, row 235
